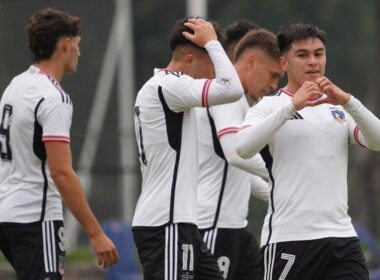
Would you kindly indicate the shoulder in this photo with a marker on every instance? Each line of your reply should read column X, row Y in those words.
column 233, row 107
column 51, row 90
column 271, row 100
column 172, row 83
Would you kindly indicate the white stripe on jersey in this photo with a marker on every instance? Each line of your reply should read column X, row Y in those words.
column 209, row 239
column 171, row 252
column 214, row 241
column 175, row 250
column 166, row 253
column 54, row 253
column 49, row 246
column 45, row 246
column 269, row 258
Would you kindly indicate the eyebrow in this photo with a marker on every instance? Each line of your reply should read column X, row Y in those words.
column 306, row 50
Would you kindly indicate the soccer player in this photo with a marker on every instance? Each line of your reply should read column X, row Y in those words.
column 165, row 221
column 36, row 170
column 307, row 232
column 223, row 187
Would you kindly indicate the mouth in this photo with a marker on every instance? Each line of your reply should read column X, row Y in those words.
column 312, row 72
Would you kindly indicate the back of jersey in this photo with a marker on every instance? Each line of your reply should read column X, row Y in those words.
column 27, row 192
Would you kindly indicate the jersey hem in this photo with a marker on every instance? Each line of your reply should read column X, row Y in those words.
column 307, row 238
column 161, row 226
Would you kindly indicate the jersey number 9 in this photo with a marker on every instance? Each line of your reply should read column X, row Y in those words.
column 6, row 120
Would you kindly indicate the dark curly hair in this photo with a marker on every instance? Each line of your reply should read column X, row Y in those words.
column 45, row 28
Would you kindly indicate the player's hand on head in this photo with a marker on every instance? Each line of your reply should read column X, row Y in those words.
column 106, row 252
column 309, row 94
column 203, row 31
column 334, row 95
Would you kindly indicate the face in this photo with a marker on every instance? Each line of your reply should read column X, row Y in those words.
column 305, row 61
column 72, row 54
column 261, row 74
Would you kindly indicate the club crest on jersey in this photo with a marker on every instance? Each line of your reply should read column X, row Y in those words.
column 338, row 115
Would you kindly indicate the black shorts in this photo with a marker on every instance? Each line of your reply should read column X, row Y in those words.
column 35, row 250
column 237, row 253
column 320, row 259
column 175, row 252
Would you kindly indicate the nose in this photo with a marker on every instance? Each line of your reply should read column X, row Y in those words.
column 273, row 85
column 313, row 60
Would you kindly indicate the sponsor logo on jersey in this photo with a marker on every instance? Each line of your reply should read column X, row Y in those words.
column 296, row 116
column 224, row 81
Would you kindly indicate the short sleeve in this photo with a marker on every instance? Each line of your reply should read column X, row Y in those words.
column 55, row 116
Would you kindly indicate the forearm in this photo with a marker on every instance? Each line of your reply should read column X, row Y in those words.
column 73, row 196
column 252, row 139
column 259, row 188
column 254, row 165
column 367, row 122
column 227, row 86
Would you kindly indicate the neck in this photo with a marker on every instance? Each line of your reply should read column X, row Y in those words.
column 51, row 67
column 176, row 66
column 292, row 86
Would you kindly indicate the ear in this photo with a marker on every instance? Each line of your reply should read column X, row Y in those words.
column 284, row 63
column 250, row 60
column 189, row 59
column 63, row 44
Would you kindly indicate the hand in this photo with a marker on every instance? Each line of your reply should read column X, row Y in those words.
column 105, row 250
column 203, row 31
column 334, row 95
column 309, row 94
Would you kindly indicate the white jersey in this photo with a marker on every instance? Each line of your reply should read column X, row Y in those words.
column 306, row 153
column 166, row 133
column 33, row 109
column 223, row 189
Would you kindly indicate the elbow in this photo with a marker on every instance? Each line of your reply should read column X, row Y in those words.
column 234, row 93
column 242, row 152
column 60, row 175
column 240, row 148
column 237, row 92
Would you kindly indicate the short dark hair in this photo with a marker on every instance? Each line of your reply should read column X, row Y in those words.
column 45, row 28
column 294, row 32
column 176, row 38
column 236, row 30
column 259, row 38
